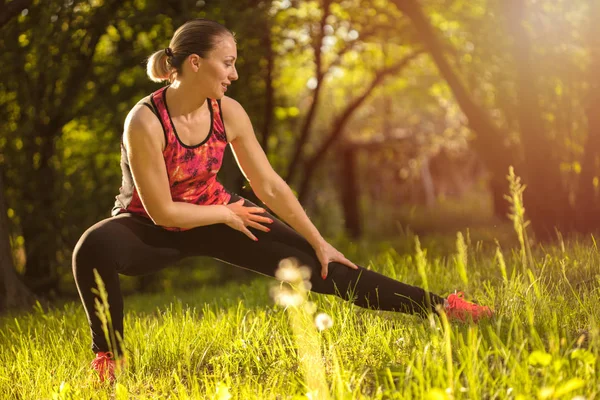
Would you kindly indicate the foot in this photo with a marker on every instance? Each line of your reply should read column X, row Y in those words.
column 104, row 364
column 457, row 308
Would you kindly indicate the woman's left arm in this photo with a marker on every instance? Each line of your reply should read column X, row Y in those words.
column 269, row 186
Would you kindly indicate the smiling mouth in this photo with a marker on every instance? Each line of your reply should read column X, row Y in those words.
column 224, row 87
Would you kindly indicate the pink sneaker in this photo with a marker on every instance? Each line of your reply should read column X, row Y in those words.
column 105, row 364
column 460, row 309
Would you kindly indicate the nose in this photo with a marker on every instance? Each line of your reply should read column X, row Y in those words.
column 234, row 75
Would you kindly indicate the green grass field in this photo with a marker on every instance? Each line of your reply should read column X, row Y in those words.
column 235, row 342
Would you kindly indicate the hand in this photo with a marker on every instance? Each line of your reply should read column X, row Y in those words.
column 327, row 253
column 242, row 217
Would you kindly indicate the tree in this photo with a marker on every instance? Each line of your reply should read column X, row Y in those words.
column 13, row 293
column 546, row 199
column 339, row 122
column 489, row 141
column 588, row 196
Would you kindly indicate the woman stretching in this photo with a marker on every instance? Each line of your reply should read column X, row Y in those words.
column 171, row 205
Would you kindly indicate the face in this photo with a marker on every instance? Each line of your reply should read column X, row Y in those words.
column 217, row 71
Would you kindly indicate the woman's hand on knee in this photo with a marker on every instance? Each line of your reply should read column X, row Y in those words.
column 327, row 254
column 243, row 217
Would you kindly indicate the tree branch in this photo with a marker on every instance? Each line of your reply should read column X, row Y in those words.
column 340, row 122
column 305, row 131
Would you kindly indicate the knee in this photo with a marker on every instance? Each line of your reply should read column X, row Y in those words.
column 92, row 250
column 341, row 280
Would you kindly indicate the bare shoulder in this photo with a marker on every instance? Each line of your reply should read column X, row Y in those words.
column 235, row 118
column 142, row 124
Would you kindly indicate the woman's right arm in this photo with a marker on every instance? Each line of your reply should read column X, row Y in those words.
column 144, row 142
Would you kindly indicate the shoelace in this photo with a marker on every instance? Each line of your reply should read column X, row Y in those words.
column 103, row 363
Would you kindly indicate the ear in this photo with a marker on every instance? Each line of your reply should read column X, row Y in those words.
column 195, row 62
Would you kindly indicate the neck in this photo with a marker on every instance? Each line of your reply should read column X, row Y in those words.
column 183, row 99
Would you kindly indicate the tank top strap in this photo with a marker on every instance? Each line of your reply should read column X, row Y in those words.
column 159, row 103
column 218, row 124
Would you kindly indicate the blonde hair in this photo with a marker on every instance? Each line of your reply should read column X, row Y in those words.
column 197, row 36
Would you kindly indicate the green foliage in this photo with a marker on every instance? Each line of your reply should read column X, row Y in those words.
column 74, row 80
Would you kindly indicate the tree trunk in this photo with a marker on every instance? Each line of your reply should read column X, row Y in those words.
column 350, row 192
column 427, row 181
column 40, row 226
column 489, row 142
column 546, row 199
column 269, row 90
column 320, row 75
column 13, row 293
column 588, row 196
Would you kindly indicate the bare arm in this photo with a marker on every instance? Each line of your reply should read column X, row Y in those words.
column 269, row 186
column 144, row 141
column 266, row 183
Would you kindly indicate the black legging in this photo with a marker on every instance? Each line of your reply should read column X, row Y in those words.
column 132, row 245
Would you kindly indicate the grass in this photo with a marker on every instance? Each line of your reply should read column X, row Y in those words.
column 235, row 342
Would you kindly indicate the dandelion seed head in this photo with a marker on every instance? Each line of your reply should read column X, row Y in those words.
column 305, row 272
column 288, row 271
column 307, row 285
column 310, row 307
column 286, row 297
column 323, row 321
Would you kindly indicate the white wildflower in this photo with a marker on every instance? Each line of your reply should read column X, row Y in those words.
column 323, row 321
column 305, row 272
column 307, row 285
column 310, row 307
column 285, row 297
column 288, row 271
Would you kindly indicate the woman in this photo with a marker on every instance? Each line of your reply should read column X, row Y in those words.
column 171, row 206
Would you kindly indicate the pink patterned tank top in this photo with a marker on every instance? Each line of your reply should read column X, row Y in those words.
column 192, row 170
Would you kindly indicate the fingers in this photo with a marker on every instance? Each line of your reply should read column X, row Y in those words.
column 349, row 263
column 324, row 270
column 256, row 210
column 342, row 260
column 262, row 220
column 258, row 226
column 247, row 232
